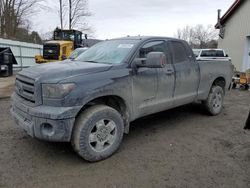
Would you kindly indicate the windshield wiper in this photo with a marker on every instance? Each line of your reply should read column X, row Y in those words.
column 91, row 61
column 96, row 62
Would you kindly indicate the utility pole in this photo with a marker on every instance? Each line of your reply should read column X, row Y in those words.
column 70, row 12
column 61, row 14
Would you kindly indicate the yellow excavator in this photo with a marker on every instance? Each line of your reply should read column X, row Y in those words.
column 62, row 45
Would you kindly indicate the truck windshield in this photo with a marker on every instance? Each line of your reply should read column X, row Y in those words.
column 110, row 52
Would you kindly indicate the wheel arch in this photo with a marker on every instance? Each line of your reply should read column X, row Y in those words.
column 219, row 81
column 114, row 101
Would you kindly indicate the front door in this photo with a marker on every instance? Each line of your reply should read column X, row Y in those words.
column 150, row 85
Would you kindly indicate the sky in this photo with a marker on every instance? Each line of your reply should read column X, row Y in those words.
column 117, row 18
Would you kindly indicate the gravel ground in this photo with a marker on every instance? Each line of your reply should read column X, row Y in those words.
column 7, row 85
column 182, row 147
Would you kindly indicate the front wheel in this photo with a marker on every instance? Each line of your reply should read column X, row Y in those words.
column 214, row 102
column 98, row 133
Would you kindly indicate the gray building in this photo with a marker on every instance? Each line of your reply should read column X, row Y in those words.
column 234, row 28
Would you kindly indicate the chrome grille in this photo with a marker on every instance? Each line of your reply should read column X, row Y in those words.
column 25, row 88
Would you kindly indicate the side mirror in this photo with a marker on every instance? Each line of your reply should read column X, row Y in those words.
column 153, row 60
column 226, row 55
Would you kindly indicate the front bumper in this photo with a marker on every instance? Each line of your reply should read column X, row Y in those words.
column 44, row 122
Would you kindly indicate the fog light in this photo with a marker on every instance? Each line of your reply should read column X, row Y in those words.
column 47, row 129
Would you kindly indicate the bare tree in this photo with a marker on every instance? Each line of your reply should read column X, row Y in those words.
column 70, row 14
column 186, row 33
column 47, row 35
column 203, row 35
column 199, row 36
column 63, row 12
column 77, row 13
column 14, row 14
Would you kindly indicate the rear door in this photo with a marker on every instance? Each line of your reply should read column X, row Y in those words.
column 186, row 73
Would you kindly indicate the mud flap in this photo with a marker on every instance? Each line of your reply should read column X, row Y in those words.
column 247, row 125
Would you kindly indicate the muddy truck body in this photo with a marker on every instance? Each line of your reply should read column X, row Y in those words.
column 91, row 100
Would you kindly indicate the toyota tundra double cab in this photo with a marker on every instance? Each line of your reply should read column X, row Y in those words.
column 91, row 100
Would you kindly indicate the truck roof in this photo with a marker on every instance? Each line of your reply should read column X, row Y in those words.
column 143, row 38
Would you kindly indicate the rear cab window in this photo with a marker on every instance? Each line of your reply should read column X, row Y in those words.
column 212, row 53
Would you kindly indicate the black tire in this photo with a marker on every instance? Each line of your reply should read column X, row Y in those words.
column 246, row 87
column 242, row 87
column 247, row 125
column 234, row 85
column 93, row 126
column 214, row 102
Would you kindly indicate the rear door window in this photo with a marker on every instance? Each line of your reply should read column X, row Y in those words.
column 180, row 53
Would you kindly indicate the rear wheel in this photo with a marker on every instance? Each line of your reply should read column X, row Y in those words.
column 234, row 85
column 214, row 102
column 246, row 87
column 98, row 133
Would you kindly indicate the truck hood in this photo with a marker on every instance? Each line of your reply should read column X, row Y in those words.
column 61, row 70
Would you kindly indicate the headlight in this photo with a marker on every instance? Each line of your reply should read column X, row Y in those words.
column 57, row 91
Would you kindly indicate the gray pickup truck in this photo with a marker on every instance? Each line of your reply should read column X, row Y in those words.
column 91, row 100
